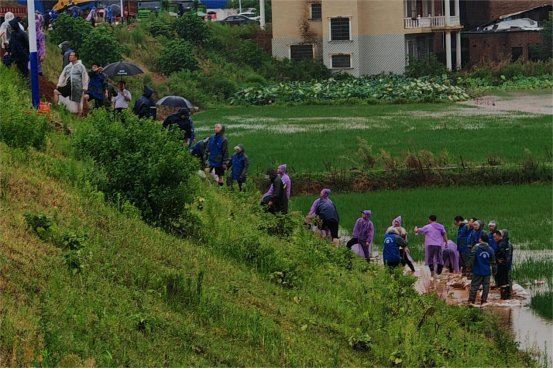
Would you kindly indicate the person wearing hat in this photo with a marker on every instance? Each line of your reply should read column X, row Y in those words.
column 239, row 164
column 325, row 209
column 492, row 227
column 363, row 234
column 275, row 199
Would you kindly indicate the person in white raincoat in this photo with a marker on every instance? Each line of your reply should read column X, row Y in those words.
column 73, row 82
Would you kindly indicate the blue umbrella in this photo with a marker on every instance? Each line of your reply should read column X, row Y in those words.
column 175, row 102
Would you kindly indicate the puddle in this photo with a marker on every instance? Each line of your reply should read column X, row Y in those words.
column 531, row 331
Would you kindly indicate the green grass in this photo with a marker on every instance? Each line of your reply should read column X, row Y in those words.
column 542, row 303
column 306, row 137
column 104, row 289
column 534, row 268
column 524, row 210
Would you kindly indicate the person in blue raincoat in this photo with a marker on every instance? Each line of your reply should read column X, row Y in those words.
column 391, row 254
column 239, row 165
column 483, row 265
column 216, row 153
column 97, row 86
column 182, row 121
column 492, row 227
column 462, row 237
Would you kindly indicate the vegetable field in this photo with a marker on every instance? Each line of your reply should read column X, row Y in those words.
column 387, row 88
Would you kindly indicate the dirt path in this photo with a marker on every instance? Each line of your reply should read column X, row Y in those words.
column 540, row 103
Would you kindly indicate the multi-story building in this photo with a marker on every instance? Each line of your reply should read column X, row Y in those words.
column 366, row 36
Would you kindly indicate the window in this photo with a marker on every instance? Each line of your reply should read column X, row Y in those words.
column 316, row 12
column 340, row 29
column 516, row 52
column 301, row 52
column 341, row 60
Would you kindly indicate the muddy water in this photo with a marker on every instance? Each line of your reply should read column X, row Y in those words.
column 530, row 330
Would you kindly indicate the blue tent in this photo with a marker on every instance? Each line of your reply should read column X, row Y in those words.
column 214, row 4
column 38, row 5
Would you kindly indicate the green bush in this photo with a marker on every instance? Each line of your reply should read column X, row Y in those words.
column 252, row 54
column 99, row 46
column 159, row 27
column 71, row 29
column 177, row 55
column 20, row 126
column 144, row 164
column 430, row 66
column 192, row 28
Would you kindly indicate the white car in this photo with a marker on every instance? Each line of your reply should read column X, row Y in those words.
column 250, row 15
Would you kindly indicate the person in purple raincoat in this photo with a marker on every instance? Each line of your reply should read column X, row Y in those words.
column 325, row 209
column 40, row 46
column 406, row 258
column 450, row 256
column 363, row 234
column 435, row 238
column 282, row 172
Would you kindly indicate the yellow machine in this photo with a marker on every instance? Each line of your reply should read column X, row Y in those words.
column 62, row 4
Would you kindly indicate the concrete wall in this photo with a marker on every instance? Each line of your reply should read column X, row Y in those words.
column 377, row 29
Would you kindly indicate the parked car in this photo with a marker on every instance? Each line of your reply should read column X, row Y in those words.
column 237, row 20
column 250, row 15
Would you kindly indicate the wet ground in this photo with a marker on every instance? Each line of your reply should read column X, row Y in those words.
column 532, row 331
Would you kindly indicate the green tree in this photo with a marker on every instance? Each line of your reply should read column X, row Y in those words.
column 71, row 29
column 252, row 54
column 100, row 46
column 192, row 28
column 177, row 55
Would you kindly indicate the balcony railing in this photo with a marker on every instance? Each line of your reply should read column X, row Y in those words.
column 431, row 22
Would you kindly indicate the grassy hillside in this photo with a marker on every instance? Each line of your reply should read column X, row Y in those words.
column 85, row 282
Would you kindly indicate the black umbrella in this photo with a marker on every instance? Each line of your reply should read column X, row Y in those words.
column 175, row 102
column 122, row 69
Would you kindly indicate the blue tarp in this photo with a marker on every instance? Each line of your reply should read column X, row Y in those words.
column 214, row 4
column 38, row 5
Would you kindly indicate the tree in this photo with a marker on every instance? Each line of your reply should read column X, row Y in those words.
column 71, row 29
column 99, row 46
column 192, row 28
column 177, row 55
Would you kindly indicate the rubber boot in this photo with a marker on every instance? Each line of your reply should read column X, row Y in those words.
column 440, row 269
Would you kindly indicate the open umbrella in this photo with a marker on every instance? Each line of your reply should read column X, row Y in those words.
column 122, row 69
column 175, row 102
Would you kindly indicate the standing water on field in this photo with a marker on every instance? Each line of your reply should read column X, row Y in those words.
column 533, row 332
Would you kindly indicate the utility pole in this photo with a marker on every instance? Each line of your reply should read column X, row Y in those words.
column 122, row 13
column 262, row 13
column 240, row 5
column 35, row 94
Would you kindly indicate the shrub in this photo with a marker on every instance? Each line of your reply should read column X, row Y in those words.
column 252, row 54
column 177, row 55
column 144, row 164
column 19, row 126
column 192, row 28
column 99, row 46
column 425, row 67
column 71, row 29
column 158, row 27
